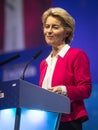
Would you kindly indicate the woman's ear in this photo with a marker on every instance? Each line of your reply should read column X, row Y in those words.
column 67, row 33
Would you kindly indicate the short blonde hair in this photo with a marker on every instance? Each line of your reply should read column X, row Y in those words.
column 66, row 19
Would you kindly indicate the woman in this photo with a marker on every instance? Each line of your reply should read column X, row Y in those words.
column 66, row 70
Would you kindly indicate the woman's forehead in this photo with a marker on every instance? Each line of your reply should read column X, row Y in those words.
column 51, row 19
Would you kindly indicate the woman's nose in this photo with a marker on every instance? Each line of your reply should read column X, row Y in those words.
column 50, row 30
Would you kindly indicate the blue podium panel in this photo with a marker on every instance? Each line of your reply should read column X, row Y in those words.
column 38, row 120
column 30, row 119
column 7, row 119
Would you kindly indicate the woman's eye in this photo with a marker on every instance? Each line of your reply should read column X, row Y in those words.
column 46, row 26
column 55, row 26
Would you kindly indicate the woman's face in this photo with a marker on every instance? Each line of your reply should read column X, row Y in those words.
column 54, row 32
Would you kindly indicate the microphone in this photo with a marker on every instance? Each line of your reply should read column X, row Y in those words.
column 33, row 58
column 9, row 60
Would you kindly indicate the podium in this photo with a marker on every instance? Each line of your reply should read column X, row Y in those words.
column 21, row 94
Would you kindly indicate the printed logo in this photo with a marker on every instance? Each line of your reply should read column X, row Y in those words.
column 1, row 94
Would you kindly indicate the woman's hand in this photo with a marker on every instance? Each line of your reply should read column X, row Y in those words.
column 56, row 89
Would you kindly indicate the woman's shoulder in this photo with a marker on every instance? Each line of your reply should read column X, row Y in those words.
column 76, row 51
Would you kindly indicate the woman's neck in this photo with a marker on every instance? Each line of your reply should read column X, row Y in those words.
column 56, row 50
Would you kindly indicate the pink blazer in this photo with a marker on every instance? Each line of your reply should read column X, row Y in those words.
column 73, row 71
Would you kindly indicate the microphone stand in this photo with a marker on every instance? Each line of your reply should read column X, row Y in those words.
column 18, row 110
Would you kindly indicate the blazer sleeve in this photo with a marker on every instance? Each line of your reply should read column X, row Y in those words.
column 82, row 78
